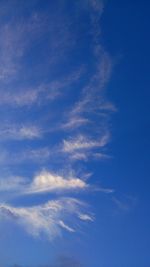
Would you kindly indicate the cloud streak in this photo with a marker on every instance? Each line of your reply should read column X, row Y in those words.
column 39, row 95
column 83, row 143
column 15, row 132
column 48, row 219
column 81, row 147
column 44, row 182
column 47, row 182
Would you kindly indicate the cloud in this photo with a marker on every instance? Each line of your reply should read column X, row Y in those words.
column 86, row 217
column 19, row 98
column 83, row 143
column 40, row 155
column 43, row 182
column 92, row 97
column 20, row 132
column 75, row 122
column 40, row 94
column 79, row 156
column 47, row 182
column 79, row 143
column 66, row 227
column 92, row 100
column 48, row 219
column 14, row 43
column 82, row 147
column 92, row 103
column 20, row 33
column 124, row 202
column 40, row 63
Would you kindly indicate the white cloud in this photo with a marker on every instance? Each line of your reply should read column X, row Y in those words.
column 47, row 182
column 86, row 217
column 104, row 69
column 82, row 147
column 20, row 132
column 82, row 143
column 13, row 44
column 49, row 218
column 75, row 122
column 79, row 156
column 92, row 101
column 37, row 155
column 66, row 227
column 29, row 132
column 56, row 215
column 19, row 98
column 105, row 190
column 43, row 182
column 39, row 95
column 79, row 143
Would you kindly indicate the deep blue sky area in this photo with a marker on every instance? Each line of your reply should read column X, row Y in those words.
column 126, row 33
column 74, row 133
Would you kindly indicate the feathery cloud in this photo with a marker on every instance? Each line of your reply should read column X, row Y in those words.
column 81, row 147
column 43, row 182
column 83, row 143
column 48, row 219
column 19, row 132
column 86, row 217
column 27, row 84
column 47, row 182
column 40, row 94
column 75, row 122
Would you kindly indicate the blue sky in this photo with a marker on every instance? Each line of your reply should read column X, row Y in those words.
column 74, row 133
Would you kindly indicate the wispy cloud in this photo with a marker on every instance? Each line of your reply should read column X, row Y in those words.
column 48, row 219
column 66, row 227
column 81, row 147
column 13, row 44
column 82, row 143
column 75, row 122
column 39, row 95
column 38, row 155
column 22, row 132
column 124, row 202
column 86, row 217
column 92, row 105
column 47, row 182
column 39, row 64
column 43, row 182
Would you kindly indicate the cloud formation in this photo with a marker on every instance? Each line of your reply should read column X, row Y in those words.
column 54, row 112
column 48, row 219
column 39, row 95
column 20, row 132
column 43, row 182
column 81, row 147
column 47, row 182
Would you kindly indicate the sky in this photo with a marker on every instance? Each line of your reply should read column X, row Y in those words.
column 74, row 133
